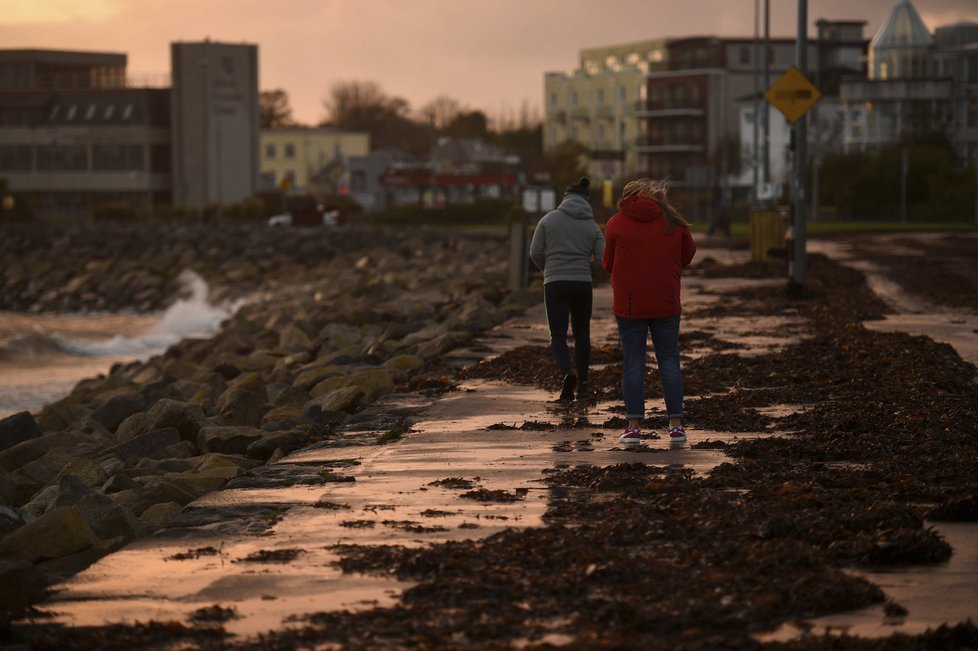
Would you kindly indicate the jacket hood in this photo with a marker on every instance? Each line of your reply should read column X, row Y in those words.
column 641, row 209
column 577, row 206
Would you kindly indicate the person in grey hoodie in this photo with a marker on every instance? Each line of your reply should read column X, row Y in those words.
column 564, row 243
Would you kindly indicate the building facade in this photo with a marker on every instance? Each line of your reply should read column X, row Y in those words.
column 310, row 160
column 600, row 105
column 456, row 171
column 73, row 135
column 683, row 108
column 917, row 82
column 215, row 123
column 692, row 123
column 76, row 132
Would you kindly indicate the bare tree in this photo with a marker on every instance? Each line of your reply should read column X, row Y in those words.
column 274, row 110
column 363, row 106
column 440, row 112
column 358, row 104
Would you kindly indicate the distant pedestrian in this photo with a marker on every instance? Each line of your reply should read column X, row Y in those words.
column 563, row 245
column 648, row 245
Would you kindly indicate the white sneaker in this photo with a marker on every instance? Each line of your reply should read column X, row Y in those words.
column 631, row 436
column 677, row 434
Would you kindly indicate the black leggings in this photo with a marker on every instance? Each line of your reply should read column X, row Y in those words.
column 563, row 299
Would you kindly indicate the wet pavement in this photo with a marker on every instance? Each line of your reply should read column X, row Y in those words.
column 468, row 467
column 913, row 314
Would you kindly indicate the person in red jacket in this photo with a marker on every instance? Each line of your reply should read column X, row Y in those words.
column 648, row 244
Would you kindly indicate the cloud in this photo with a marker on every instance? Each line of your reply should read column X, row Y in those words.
column 18, row 12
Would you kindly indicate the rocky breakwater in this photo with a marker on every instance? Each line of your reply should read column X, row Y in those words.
column 83, row 267
column 125, row 454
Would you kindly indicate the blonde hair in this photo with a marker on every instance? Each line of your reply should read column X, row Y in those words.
column 657, row 191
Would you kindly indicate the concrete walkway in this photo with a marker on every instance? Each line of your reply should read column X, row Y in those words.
column 396, row 497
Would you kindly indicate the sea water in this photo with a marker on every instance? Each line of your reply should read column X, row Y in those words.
column 42, row 357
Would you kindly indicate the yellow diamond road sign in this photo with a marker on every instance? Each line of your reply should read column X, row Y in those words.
column 793, row 94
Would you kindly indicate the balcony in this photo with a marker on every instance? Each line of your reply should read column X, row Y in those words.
column 557, row 116
column 639, row 108
column 580, row 113
column 605, row 112
column 676, row 113
column 649, row 145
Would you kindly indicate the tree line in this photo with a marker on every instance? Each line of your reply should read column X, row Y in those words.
column 392, row 124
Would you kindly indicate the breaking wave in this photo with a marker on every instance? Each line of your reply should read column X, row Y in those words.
column 193, row 316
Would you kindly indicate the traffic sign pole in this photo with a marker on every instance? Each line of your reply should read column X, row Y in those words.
column 793, row 94
column 796, row 261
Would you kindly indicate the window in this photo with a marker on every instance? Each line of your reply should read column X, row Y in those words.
column 744, row 55
column 270, row 150
column 290, row 176
column 622, row 94
column 289, row 150
column 72, row 110
column 117, row 158
column 109, row 110
column 553, row 100
column 573, row 98
column 601, row 97
column 90, row 113
column 160, row 157
column 358, row 181
column 62, row 158
column 15, row 158
column 127, row 112
column 600, row 131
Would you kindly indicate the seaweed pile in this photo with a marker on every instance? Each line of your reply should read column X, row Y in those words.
column 655, row 557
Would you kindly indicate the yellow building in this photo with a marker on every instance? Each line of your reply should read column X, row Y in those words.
column 598, row 105
column 310, row 160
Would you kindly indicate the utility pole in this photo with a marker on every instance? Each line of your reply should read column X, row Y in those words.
column 796, row 258
column 767, row 84
column 755, row 158
column 817, row 126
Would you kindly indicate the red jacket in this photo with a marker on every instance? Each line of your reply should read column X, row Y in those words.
column 644, row 261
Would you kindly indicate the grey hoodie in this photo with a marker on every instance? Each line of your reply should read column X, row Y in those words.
column 565, row 240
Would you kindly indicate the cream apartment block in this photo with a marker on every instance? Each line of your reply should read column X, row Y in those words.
column 601, row 104
column 310, row 160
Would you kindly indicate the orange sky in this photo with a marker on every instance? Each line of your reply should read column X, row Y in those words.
column 488, row 54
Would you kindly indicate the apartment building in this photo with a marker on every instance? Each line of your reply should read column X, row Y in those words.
column 683, row 108
column 600, row 103
column 691, row 130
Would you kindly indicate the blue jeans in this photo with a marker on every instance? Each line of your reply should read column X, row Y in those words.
column 665, row 340
column 569, row 300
